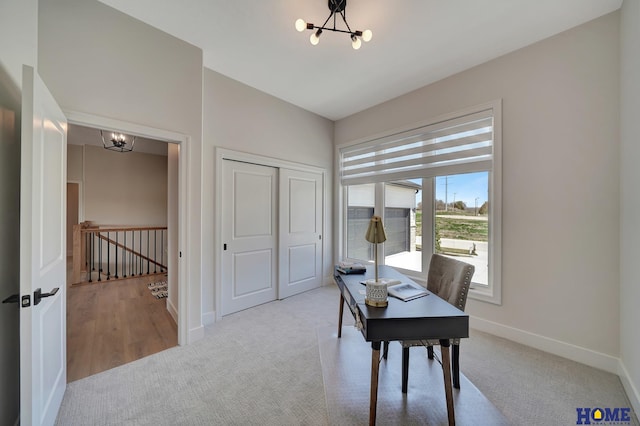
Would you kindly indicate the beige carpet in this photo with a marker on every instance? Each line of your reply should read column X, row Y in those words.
column 346, row 372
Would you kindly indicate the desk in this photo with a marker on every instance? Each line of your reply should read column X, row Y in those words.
column 428, row 317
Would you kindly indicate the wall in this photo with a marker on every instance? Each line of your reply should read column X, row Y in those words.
column 99, row 61
column 244, row 119
column 125, row 189
column 18, row 46
column 630, row 201
column 560, row 184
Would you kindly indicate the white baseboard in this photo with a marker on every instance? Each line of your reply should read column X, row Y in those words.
column 195, row 334
column 632, row 391
column 566, row 350
column 172, row 310
column 208, row 318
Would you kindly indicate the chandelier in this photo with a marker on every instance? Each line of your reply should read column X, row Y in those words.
column 337, row 8
column 118, row 142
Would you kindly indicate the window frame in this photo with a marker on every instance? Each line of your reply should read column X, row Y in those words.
column 492, row 293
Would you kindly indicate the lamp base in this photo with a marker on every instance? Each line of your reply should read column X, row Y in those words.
column 376, row 304
column 376, row 294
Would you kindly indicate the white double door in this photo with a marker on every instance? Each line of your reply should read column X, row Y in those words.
column 271, row 234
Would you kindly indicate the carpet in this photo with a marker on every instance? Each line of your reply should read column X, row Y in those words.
column 346, row 371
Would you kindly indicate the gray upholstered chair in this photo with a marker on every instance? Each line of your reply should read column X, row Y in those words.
column 449, row 279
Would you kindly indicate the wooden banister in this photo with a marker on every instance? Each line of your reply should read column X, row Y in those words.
column 81, row 263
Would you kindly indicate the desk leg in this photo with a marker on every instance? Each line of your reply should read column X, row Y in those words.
column 375, row 365
column 448, row 391
column 340, row 315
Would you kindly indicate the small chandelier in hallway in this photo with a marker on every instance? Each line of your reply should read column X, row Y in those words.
column 118, row 142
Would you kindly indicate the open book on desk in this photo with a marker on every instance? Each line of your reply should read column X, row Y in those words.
column 407, row 291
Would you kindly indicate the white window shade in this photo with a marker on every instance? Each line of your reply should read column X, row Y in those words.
column 460, row 145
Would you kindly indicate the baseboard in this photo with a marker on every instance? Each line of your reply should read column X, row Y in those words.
column 566, row 350
column 629, row 387
column 195, row 334
column 172, row 310
column 208, row 318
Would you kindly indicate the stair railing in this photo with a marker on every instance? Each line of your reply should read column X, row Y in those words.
column 111, row 253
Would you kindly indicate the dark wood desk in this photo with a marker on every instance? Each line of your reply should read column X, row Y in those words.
column 428, row 317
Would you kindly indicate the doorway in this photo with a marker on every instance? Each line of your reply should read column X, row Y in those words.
column 120, row 318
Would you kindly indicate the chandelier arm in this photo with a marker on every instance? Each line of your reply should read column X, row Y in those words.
column 104, row 144
column 336, row 30
column 344, row 18
column 324, row 27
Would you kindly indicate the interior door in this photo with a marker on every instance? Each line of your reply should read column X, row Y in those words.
column 300, row 232
column 43, row 373
column 249, row 235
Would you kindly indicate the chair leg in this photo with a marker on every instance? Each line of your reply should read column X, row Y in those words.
column 385, row 351
column 455, row 365
column 430, row 352
column 405, row 368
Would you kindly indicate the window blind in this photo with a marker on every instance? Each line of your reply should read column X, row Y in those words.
column 460, row 145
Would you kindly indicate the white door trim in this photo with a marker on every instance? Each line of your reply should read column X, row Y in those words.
column 184, row 141
column 229, row 154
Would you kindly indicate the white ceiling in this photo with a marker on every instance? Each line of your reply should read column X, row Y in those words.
column 415, row 42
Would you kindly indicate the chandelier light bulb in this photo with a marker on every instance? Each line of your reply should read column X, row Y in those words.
column 301, row 25
column 355, row 42
column 367, row 35
column 315, row 37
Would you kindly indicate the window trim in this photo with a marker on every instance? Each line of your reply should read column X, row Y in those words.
column 493, row 292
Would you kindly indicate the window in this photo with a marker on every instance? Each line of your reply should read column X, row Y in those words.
column 437, row 188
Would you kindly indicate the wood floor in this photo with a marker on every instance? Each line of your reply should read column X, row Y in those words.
column 114, row 323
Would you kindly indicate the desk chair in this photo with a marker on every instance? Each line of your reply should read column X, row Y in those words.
column 449, row 279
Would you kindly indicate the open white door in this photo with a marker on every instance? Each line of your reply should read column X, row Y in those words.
column 300, row 232
column 43, row 372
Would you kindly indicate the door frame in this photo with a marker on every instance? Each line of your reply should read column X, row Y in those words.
column 90, row 120
column 222, row 154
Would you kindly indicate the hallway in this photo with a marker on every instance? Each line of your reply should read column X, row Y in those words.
column 114, row 323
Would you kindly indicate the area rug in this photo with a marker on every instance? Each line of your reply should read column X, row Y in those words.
column 346, row 371
column 158, row 289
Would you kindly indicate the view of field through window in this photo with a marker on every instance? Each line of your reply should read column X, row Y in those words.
column 460, row 212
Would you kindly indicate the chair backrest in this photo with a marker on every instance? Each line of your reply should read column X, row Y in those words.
column 450, row 279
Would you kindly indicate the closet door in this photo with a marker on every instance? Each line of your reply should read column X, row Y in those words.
column 249, row 222
column 300, row 232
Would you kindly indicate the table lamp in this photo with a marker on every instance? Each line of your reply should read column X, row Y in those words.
column 376, row 290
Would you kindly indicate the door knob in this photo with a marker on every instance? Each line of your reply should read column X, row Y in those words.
column 38, row 295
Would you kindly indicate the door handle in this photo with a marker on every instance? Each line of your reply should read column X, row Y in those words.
column 14, row 298
column 38, row 295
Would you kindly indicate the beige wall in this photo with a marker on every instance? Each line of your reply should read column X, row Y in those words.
column 630, row 201
column 244, row 119
column 157, row 83
column 74, row 163
column 124, row 189
column 560, row 183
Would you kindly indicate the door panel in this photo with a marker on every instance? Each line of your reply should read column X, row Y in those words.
column 42, row 253
column 249, row 210
column 300, row 232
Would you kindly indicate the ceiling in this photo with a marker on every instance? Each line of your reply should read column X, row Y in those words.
column 415, row 42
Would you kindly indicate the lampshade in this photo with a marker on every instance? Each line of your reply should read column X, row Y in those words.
column 375, row 233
